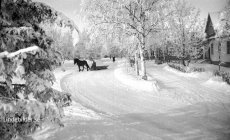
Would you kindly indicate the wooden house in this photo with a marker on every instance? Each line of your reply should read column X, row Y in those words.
column 216, row 49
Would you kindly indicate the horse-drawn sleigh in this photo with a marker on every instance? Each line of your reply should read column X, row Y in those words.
column 83, row 63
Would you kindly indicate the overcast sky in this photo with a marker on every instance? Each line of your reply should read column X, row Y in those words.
column 69, row 7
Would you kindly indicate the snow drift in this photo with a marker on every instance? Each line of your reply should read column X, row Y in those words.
column 217, row 84
column 135, row 83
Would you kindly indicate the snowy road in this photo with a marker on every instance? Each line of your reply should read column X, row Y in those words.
column 183, row 109
column 101, row 90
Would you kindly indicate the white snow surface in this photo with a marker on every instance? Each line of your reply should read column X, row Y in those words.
column 111, row 104
column 134, row 82
column 205, row 78
column 218, row 84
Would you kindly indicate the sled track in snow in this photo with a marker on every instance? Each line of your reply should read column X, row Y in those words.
column 102, row 91
column 105, row 108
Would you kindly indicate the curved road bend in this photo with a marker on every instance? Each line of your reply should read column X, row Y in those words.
column 180, row 110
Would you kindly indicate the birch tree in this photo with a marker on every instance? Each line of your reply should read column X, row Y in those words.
column 186, row 29
column 137, row 17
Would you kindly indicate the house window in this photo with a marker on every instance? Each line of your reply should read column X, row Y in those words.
column 212, row 52
column 228, row 47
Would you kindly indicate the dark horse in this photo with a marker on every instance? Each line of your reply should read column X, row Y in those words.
column 81, row 63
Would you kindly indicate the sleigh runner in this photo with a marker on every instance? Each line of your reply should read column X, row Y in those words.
column 99, row 67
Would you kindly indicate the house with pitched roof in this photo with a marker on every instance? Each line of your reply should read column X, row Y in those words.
column 216, row 49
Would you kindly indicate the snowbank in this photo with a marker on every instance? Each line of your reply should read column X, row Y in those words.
column 59, row 74
column 75, row 110
column 73, row 113
column 217, row 84
column 200, row 75
column 133, row 82
column 211, row 81
column 121, row 65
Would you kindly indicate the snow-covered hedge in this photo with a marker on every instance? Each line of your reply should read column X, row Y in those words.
column 225, row 75
column 185, row 69
column 178, row 67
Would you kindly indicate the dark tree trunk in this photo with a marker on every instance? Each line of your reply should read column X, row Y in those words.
column 183, row 61
column 1, row 9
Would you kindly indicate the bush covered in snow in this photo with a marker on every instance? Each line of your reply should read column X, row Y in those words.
column 185, row 69
column 225, row 75
column 177, row 66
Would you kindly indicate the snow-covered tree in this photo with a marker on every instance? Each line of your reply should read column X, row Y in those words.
column 62, row 38
column 186, row 29
column 223, row 29
column 137, row 17
column 26, row 52
column 82, row 46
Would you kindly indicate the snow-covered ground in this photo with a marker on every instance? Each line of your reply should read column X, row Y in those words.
column 74, row 112
column 123, row 76
column 210, row 67
column 111, row 104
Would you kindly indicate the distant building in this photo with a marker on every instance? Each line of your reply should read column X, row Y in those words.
column 215, row 48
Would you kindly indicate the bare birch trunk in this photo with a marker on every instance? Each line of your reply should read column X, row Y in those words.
column 136, row 64
column 143, row 66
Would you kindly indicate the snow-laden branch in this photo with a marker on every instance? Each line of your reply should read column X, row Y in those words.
column 120, row 23
column 13, row 54
column 132, row 13
column 151, row 6
column 3, row 54
column 152, row 27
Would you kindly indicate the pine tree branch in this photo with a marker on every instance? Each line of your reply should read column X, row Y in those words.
column 13, row 54
column 18, row 85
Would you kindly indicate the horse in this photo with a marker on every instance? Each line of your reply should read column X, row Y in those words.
column 81, row 63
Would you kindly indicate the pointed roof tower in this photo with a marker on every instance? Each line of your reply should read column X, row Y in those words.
column 209, row 29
